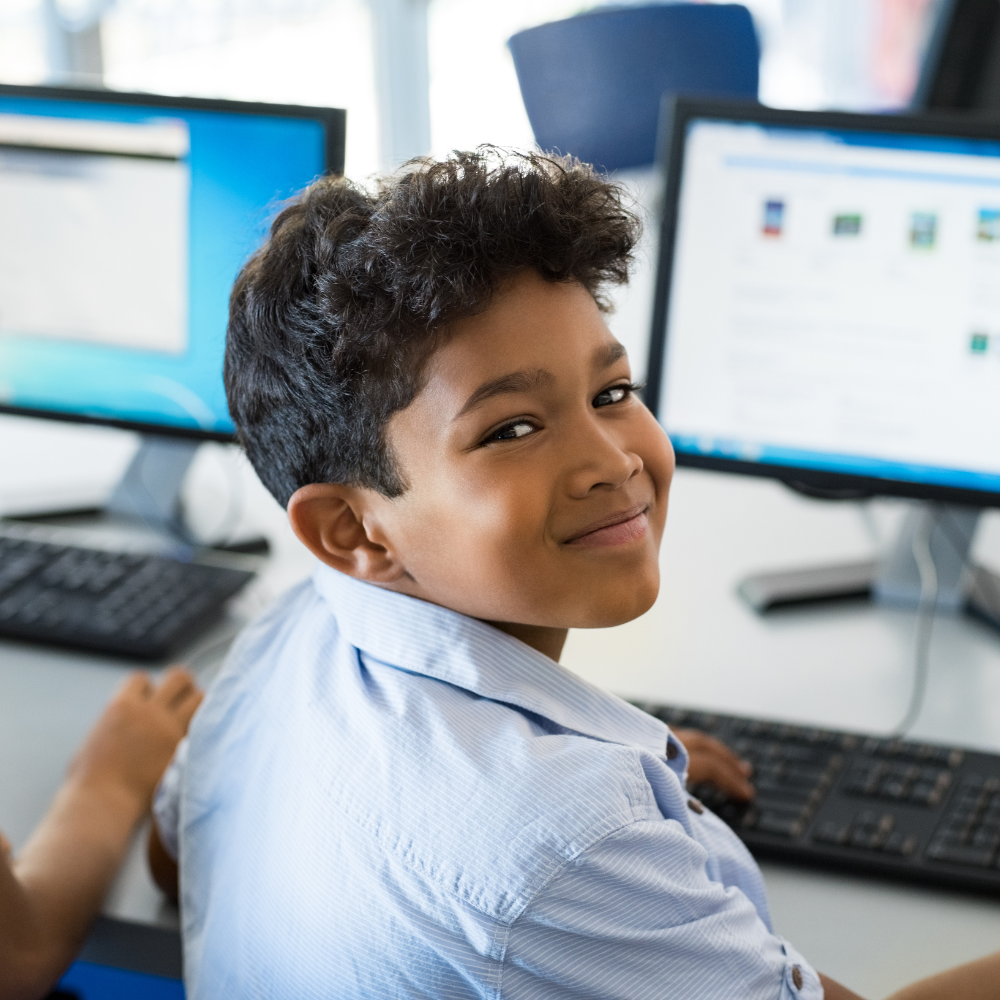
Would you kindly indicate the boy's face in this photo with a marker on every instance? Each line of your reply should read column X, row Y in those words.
column 537, row 482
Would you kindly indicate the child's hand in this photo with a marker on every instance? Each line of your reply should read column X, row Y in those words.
column 129, row 748
column 714, row 762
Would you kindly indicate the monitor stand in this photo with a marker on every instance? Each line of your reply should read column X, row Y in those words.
column 148, row 494
column 150, row 489
column 894, row 580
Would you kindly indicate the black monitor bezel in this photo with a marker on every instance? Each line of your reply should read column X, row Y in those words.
column 335, row 123
column 676, row 113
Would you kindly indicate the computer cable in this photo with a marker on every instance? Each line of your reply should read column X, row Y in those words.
column 920, row 546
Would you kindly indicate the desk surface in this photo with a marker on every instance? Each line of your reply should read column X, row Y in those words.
column 846, row 667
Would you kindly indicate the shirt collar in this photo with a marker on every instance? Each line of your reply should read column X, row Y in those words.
column 428, row 639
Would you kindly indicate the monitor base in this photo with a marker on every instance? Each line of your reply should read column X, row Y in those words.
column 894, row 580
column 149, row 493
column 150, row 489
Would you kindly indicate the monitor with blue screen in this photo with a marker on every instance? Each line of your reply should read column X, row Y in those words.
column 828, row 299
column 125, row 219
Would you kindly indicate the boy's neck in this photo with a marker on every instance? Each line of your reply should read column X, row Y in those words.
column 548, row 641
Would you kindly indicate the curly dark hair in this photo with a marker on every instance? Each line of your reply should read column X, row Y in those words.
column 333, row 319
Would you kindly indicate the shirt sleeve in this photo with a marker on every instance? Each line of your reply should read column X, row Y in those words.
column 635, row 916
column 167, row 802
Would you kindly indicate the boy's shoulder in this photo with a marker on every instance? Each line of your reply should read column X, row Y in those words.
column 489, row 802
column 474, row 797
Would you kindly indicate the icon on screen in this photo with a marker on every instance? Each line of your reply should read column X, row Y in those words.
column 848, row 224
column 979, row 343
column 988, row 229
column 923, row 230
column 774, row 217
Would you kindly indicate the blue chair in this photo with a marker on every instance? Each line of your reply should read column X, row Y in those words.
column 592, row 83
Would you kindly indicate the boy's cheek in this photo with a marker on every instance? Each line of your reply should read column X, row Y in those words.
column 472, row 538
column 657, row 455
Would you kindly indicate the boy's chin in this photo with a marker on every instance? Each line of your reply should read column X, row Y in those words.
column 617, row 605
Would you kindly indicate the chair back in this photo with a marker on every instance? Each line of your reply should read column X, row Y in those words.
column 592, row 83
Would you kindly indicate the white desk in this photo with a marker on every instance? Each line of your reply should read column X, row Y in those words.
column 846, row 667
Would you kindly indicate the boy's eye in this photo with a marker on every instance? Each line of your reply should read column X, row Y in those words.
column 510, row 432
column 614, row 394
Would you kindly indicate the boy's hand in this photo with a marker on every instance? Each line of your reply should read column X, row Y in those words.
column 714, row 762
column 129, row 748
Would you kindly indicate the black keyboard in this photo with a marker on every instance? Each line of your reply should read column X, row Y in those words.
column 128, row 604
column 918, row 811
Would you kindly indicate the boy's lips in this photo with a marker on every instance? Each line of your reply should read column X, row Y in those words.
column 616, row 529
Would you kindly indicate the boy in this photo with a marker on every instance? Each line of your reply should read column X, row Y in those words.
column 50, row 895
column 393, row 789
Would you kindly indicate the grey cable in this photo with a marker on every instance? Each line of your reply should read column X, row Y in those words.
column 922, row 555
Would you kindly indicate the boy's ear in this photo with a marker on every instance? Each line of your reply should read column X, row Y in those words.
column 329, row 519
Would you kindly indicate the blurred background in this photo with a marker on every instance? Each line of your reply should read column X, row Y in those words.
column 421, row 76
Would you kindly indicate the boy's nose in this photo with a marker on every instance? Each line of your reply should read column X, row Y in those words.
column 601, row 462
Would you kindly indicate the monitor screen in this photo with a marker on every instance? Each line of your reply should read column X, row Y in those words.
column 830, row 301
column 124, row 222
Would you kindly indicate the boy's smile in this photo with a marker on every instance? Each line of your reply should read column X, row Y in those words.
column 631, row 523
column 536, row 480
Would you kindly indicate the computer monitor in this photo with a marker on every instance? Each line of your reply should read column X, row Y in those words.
column 124, row 219
column 827, row 307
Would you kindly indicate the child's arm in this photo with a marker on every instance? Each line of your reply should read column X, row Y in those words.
column 979, row 980
column 55, row 888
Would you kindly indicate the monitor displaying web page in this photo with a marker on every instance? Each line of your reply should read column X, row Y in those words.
column 830, row 301
column 123, row 222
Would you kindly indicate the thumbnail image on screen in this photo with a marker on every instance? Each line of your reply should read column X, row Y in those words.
column 122, row 227
column 835, row 303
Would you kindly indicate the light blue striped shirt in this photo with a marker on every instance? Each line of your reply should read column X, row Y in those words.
column 383, row 798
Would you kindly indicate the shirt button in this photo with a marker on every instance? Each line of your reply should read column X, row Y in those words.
column 672, row 751
column 797, row 977
column 695, row 806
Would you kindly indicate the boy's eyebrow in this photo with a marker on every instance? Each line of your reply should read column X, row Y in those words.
column 519, row 381
column 524, row 381
column 607, row 354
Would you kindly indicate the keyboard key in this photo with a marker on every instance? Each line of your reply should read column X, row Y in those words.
column 893, row 843
column 958, row 855
column 831, row 832
column 863, row 838
column 986, row 839
column 780, row 823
